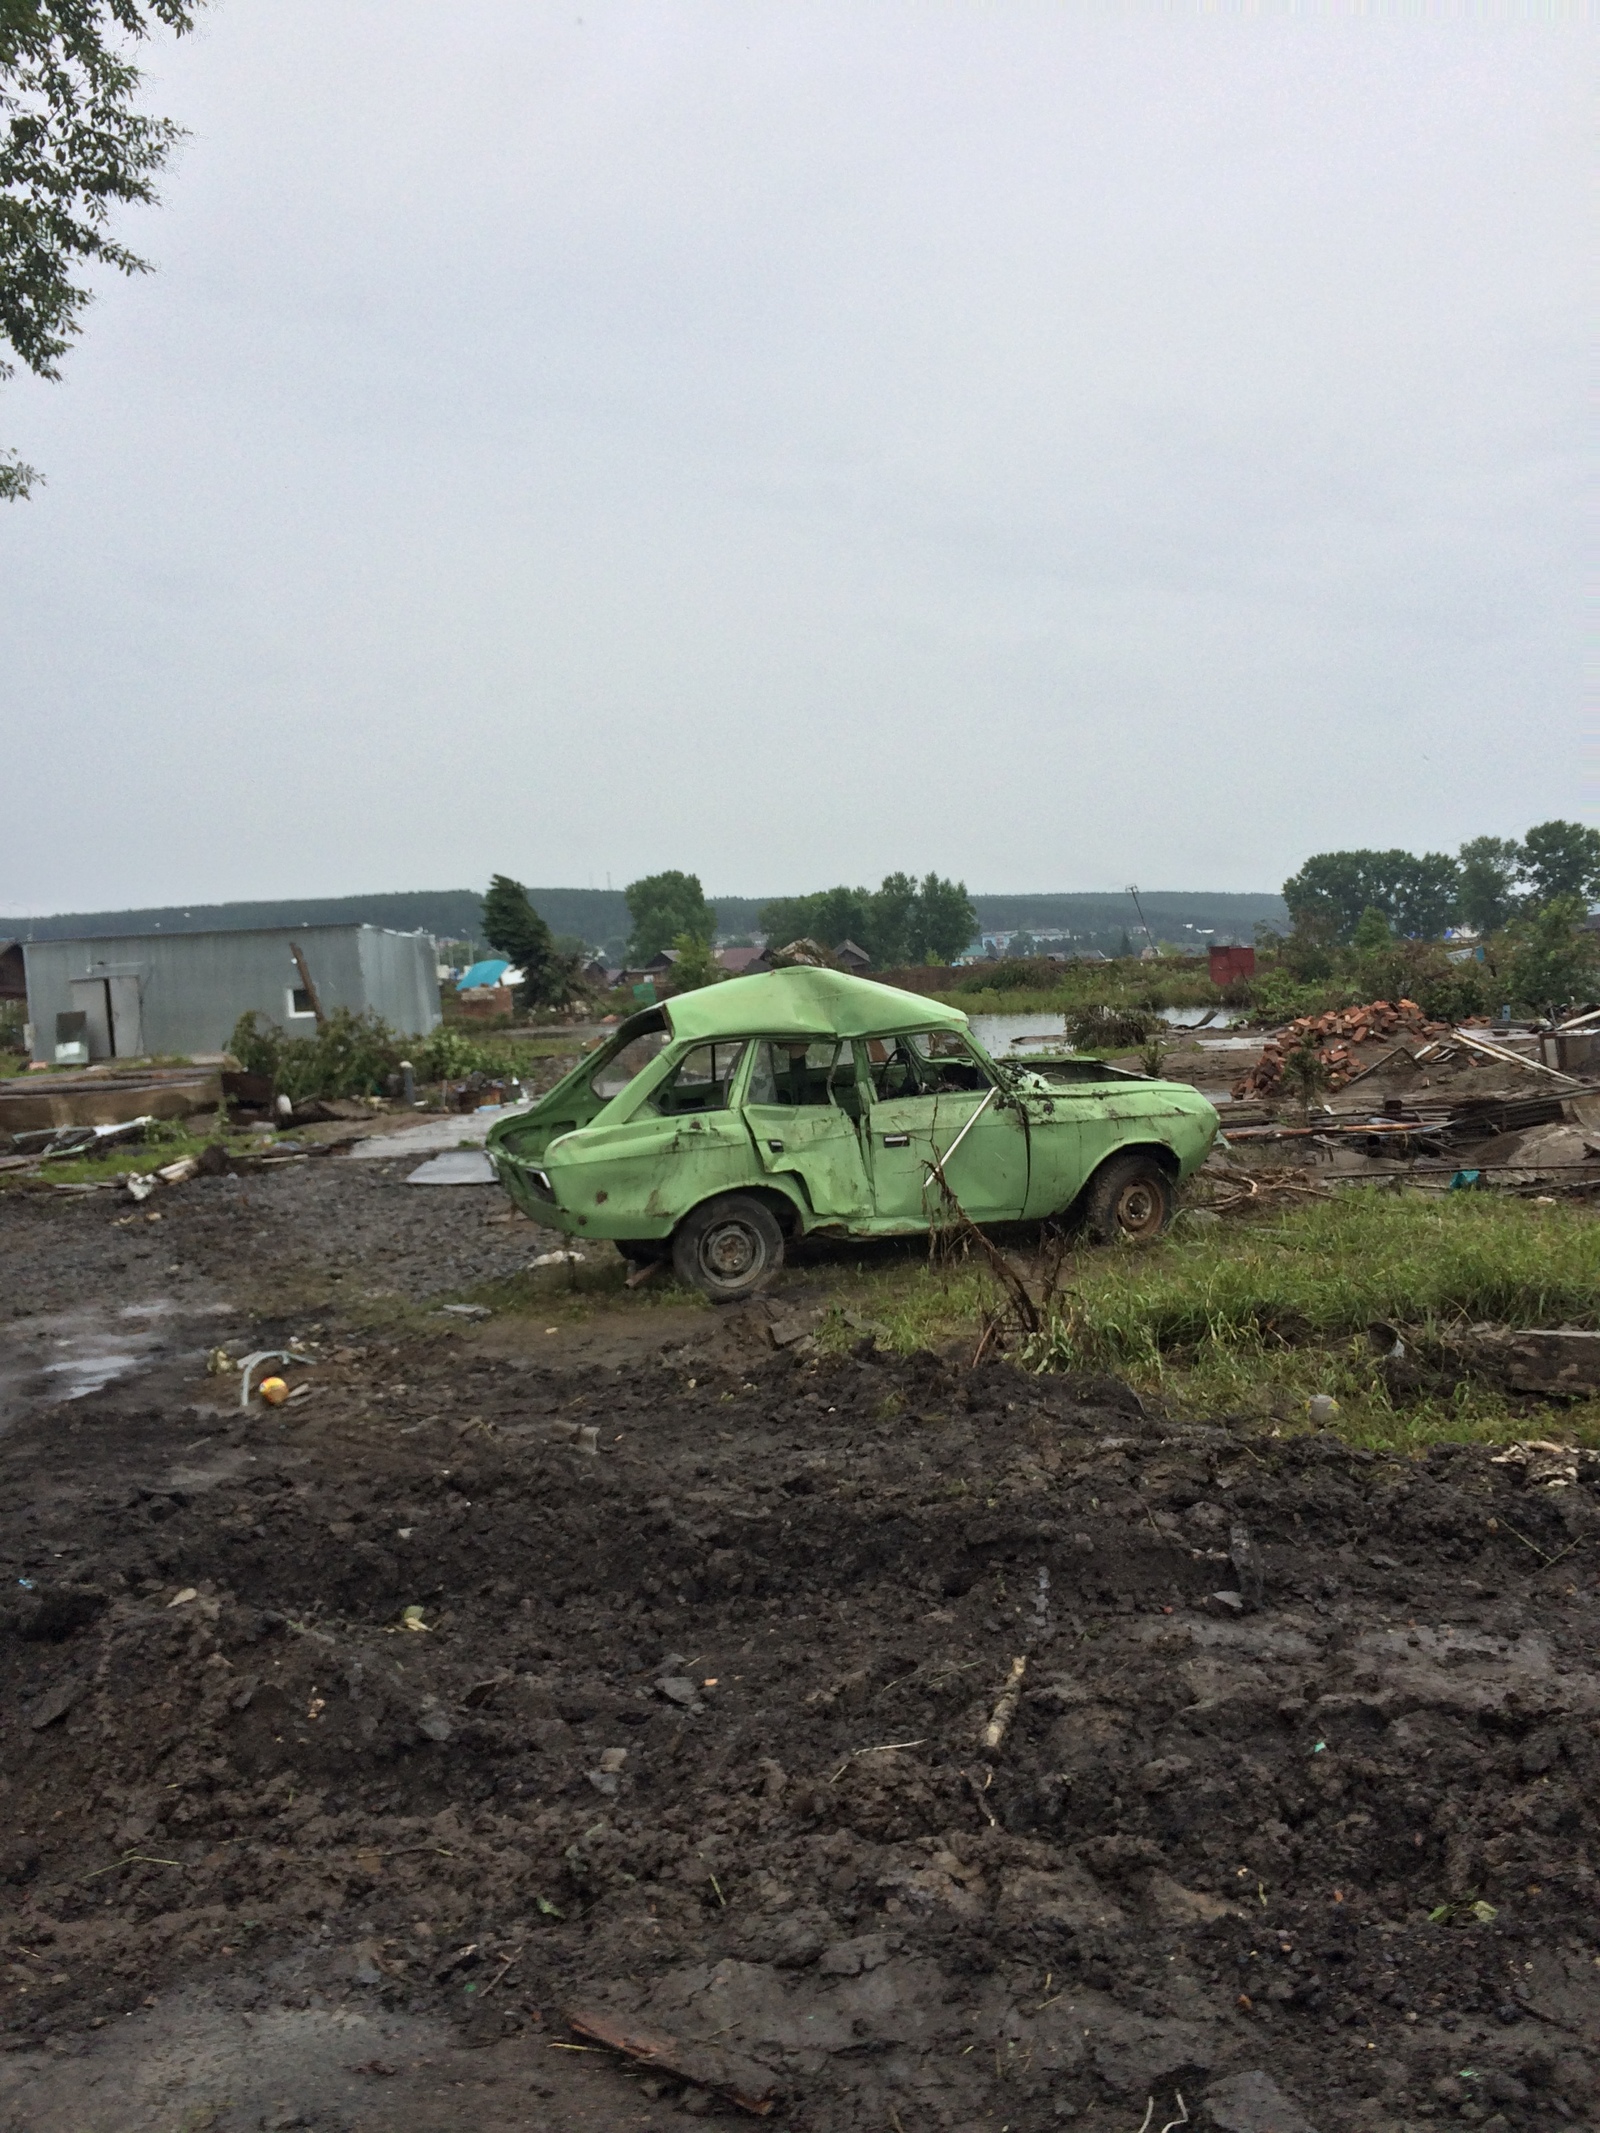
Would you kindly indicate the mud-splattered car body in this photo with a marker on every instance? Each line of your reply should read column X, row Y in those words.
column 840, row 1105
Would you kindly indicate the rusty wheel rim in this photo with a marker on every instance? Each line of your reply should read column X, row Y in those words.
column 1140, row 1208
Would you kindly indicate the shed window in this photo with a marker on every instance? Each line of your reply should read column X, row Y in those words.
column 300, row 1003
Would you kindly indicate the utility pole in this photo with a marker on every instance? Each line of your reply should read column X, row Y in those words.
column 1133, row 891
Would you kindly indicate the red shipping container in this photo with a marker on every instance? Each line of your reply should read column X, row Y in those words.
column 1230, row 963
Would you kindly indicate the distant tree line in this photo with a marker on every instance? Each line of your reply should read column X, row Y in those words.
column 903, row 921
column 1489, row 883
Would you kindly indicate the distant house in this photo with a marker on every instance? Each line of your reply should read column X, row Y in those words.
column 129, row 997
column 739, row 962
column 851, row 956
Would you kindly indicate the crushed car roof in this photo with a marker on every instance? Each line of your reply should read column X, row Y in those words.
column 805, row 1002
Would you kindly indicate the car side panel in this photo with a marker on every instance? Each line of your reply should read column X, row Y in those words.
column 819, row 1147
column 640, row 1178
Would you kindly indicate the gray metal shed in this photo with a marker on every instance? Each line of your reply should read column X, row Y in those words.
column 183, row 992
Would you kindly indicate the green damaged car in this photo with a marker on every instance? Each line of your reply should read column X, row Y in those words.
column 799, row 1102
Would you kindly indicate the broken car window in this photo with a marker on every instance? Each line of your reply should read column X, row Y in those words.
column 699, row 1082
column 794, row 1072
column 613, row 1074
column 934, row 1062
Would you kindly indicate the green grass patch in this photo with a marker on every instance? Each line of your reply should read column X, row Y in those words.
column 1252, row 1318
column 131, row 1158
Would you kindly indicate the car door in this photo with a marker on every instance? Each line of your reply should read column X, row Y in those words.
column 800, row 1106
column 931, row 1099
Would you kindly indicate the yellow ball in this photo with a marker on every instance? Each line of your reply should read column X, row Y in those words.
column 273, row 1391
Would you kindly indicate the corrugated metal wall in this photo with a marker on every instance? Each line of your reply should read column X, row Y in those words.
column 193, row 987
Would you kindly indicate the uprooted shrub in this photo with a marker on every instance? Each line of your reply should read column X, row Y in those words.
column 1101, row 1028
column 350, row 1055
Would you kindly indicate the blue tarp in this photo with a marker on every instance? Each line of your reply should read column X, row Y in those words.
column 486, row 973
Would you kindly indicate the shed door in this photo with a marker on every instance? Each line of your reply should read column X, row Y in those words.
column 91, row 999
column 127, row 1018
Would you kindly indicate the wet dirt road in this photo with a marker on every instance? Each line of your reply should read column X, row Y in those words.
column 1295, row 1810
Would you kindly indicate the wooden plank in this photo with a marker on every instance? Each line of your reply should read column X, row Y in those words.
column 742, row 2081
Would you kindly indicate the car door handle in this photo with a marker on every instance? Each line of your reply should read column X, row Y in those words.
column 897, row 1140
column 776, row 1147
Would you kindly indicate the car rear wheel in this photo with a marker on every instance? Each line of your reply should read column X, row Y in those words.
column 1131, row 1196
column 728, row 1248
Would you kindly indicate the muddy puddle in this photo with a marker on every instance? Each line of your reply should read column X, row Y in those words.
column 59, row 1357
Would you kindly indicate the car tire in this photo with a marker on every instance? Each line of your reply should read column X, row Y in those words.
column 728, row 1249
column 1130, row 1198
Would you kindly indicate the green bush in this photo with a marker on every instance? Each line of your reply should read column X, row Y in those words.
column 351, row 1055
column 448, row 1054
column 1022, row 973
column 1277, row 995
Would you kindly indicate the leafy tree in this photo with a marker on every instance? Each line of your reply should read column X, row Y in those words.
column 1489, row 868
column 828, row 916
column 696, row 965
column 1552, row 959
column 1373, row 932
column 944, row 920
column 661, row 907
column 902, row 922
column 1417, row 895
column 1561, row 859
column 511, row 924
column 73, row 147
column 891, row 921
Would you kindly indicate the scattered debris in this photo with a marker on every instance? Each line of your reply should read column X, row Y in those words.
column 1006, row 1707
column 743, row 2082
column 1334, row 1033
column 248, row 1363
column 457, row 1166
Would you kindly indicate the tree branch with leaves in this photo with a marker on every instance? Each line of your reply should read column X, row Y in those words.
column 72, row 148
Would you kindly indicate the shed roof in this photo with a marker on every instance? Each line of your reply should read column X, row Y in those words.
column 803, row 1002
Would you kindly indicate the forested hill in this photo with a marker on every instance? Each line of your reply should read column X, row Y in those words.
column 598, row 915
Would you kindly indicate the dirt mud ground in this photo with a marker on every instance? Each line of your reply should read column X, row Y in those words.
column 349, row 1750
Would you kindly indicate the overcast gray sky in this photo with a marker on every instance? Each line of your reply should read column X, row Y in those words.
column 1060, row 445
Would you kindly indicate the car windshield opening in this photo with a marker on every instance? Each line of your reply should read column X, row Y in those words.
column 933, row 1062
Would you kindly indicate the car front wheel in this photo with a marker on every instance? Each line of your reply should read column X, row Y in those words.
column 1131, row 1196
column 728, row 1248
